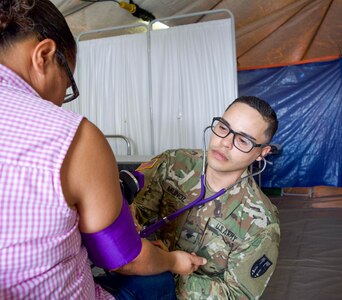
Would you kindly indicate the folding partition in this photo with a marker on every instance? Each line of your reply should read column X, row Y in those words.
column 158, row 88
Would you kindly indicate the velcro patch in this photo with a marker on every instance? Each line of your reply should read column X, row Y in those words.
column 260, row 266
column 175, row 192
column 147, row 165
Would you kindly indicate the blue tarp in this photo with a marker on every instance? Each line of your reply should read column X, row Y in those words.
column 308, row 101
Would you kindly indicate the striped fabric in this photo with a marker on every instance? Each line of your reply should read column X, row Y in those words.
column 41, row 256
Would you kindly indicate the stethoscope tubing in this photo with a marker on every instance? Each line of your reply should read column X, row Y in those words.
column 200, row 200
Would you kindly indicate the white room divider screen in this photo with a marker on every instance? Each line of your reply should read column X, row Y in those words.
column 159, row 88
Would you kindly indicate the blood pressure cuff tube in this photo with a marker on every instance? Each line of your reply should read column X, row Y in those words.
column 140, row 178
column 116, row 245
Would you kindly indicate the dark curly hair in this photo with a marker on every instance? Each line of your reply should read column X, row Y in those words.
column 22, row 18
column 264, row 109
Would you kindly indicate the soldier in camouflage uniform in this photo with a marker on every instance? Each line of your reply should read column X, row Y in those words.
column 237, row 232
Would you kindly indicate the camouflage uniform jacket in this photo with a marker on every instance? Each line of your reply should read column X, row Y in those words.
column 238, row 232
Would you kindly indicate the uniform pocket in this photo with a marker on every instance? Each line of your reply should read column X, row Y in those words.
column 215, row 245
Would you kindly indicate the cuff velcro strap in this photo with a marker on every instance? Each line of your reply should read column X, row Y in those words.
column 116, row 245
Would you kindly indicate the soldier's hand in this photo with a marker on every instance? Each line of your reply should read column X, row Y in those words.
column 186, row 263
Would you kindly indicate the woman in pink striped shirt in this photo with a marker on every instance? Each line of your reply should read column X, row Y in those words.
column 58, row 175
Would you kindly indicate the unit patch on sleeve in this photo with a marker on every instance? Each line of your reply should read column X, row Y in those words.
column 260, row 266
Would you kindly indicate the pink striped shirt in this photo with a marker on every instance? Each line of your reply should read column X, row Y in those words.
column 41, row 256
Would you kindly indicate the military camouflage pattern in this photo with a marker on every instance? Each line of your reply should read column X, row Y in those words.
column 238, row 232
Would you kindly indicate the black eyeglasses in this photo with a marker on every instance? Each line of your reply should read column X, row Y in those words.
column 75, row 92
column 220, row 127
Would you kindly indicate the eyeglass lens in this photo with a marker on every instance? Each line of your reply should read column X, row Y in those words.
column 70, row 95
column 222, row 130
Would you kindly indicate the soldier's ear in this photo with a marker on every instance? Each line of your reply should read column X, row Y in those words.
column 264, row 152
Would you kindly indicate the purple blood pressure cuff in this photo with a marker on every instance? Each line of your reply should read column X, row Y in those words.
column 116, row 245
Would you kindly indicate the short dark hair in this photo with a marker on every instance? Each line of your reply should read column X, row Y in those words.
column 265, row 110
column 41, row 18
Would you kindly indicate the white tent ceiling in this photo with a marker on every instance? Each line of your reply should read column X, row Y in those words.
column 267, row 31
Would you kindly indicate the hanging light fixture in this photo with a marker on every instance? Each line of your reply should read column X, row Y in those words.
column 131, row 7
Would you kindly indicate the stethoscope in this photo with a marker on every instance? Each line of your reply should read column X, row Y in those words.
column 200, row 200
